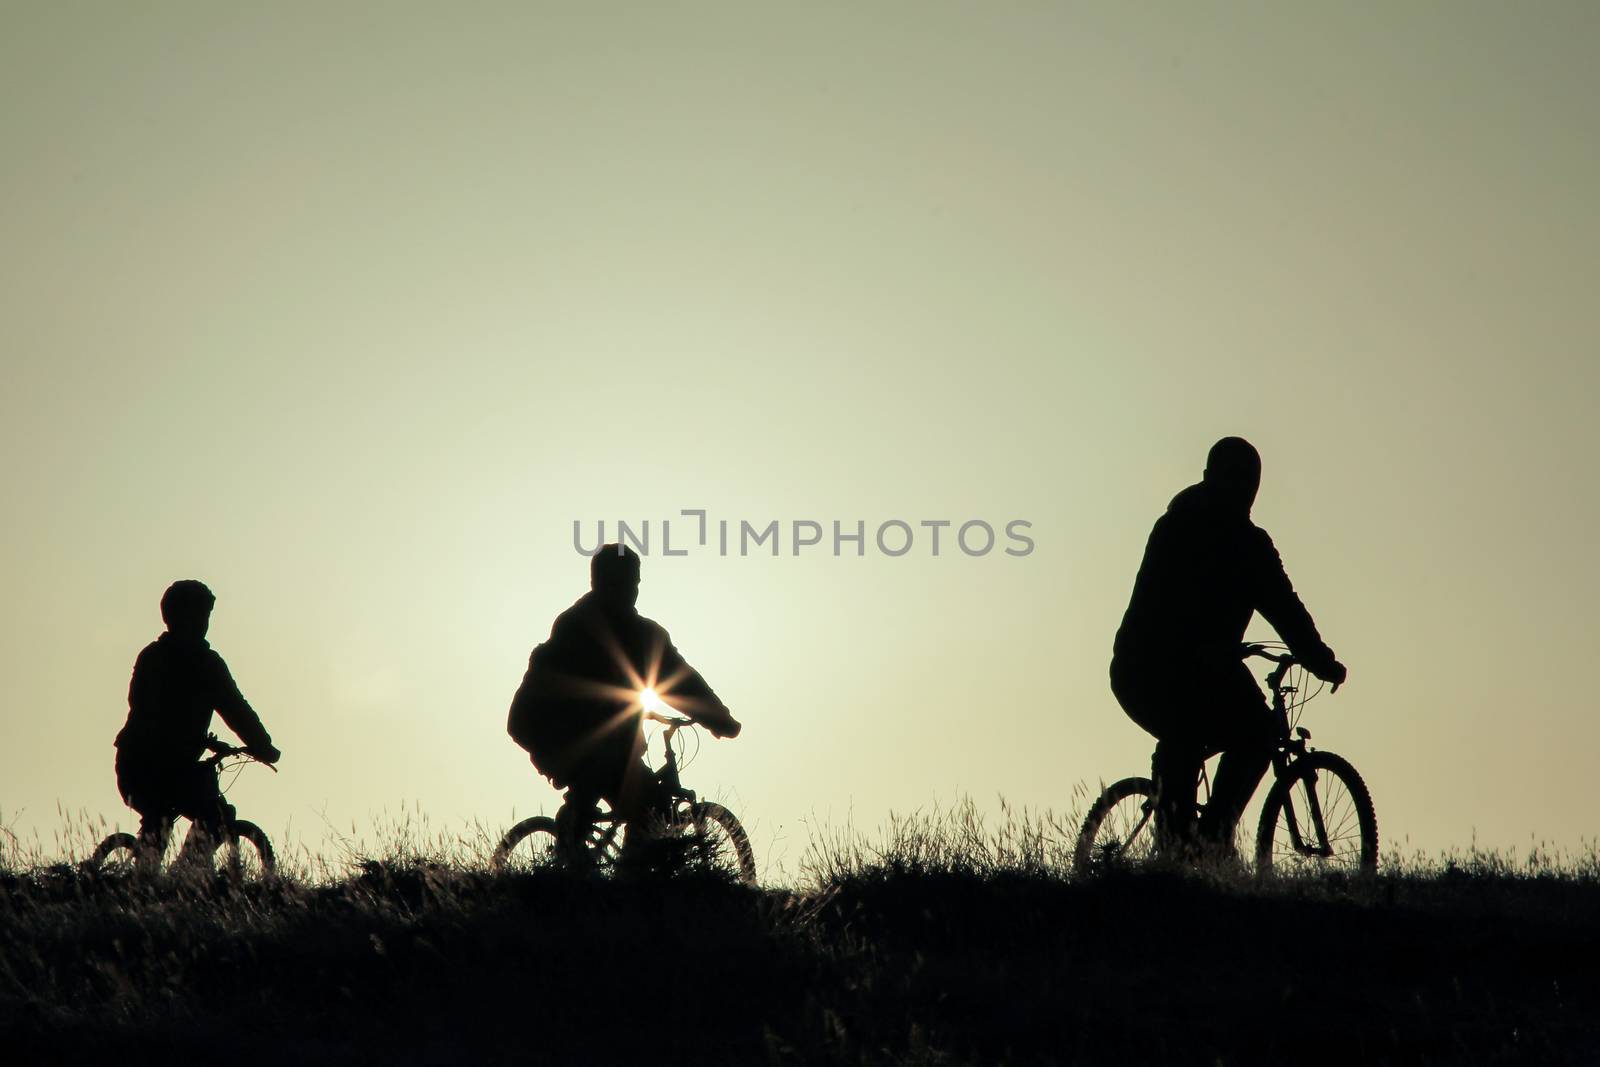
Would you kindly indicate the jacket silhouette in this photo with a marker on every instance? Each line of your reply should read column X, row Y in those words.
column 578, row 712
column 1207, row 568
column 178, row 681
column 1175, row 665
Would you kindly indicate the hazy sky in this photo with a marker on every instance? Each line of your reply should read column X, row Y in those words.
column 351, row 310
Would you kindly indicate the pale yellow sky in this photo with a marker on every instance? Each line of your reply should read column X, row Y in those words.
column 350, row 310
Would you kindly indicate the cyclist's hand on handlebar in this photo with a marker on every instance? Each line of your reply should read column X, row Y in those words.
column 1335, row 673
column 728, row 728
column 268, row 755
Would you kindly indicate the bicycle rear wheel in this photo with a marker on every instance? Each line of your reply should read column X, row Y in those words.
column 536, row 843
column 246, row 854
column 1120, row 828
column 532, row 843
column 1317, row 819
column 118, row 853
column 721, row 843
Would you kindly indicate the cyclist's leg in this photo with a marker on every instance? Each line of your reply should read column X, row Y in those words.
column 145, row 789
column 579, row 809
column 155, row 828
column 1175, row 770
column 614, row 770
column 634, row 790
column 201, row 801
column 641, row 799
column 1242, row 725
column 1157, row 696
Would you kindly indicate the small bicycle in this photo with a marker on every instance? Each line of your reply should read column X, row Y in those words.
column 1318, row 815
column 246, row 852
column 582, row 837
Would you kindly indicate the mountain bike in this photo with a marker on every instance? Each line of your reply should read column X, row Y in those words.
column 583, row 837
column 1318, row 815
column 246, row 852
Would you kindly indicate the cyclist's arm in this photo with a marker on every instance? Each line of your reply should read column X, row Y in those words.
column 1281, row 606
column 687, row 691
column 236, row 710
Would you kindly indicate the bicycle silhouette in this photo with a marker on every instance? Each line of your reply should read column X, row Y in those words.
column 246, row 852
column 583, row 837
column 1318, row 815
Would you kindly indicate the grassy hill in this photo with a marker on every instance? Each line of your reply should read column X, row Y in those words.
column 913, row 955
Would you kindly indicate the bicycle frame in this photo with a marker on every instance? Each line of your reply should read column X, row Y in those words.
column 668, row 775
column 148, row 852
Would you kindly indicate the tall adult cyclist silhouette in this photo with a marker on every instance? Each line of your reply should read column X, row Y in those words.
column 178, row 681
column 1175, row 668
column 579, row 711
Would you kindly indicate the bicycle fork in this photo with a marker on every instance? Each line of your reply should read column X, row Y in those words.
column 1314, row 810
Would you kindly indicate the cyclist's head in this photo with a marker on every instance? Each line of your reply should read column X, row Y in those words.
column 1233, row 470
column 186, row 607
column 614, row 574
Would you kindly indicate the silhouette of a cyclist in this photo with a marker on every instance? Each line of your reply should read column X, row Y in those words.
column 578, row 711
column 178, row 681
column 1176, row 669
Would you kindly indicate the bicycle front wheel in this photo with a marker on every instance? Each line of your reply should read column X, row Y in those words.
column 246, row 854
column 1120, row 829
column 1318, row 818
column 721, row 843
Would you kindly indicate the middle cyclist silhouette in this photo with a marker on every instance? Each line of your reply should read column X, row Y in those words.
column 1176, row 669
column 578, row 712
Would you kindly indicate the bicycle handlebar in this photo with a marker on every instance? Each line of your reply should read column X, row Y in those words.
column 1284, row 660
column 669, row 720
column 221, row 750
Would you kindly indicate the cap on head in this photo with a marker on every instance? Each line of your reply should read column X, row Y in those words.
column 1233, row 468
column 186, row 603
column 614, row 571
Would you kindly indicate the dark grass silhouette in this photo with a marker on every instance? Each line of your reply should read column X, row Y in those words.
column 928, row 950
